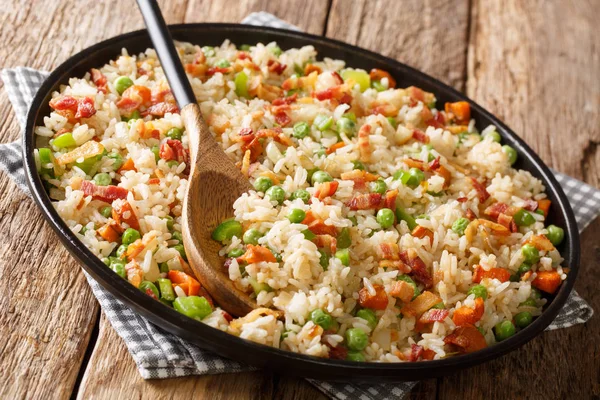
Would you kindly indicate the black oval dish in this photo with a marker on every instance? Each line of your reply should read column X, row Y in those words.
column 246, row 351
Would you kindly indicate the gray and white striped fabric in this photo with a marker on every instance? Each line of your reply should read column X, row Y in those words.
column 159, row 354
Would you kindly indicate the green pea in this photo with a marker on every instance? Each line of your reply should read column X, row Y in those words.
column 385, row 218
column 296, row 215
column 106, row 261
column 523, row 218
column 378, row 186
column 163, row 267
column 346, row 125
column 276, row 193
column 310, row 172
column 102, row 179
column 241, row 84
column 298, row 70
column 149, row 287
column 235, row 253
column 181, row 250
column 504, row 330
column 172, row 163
column 323, row 259
column 514, row 278
column 358, row 165
column 535, row 294
column 356, row 339
column 478, row 291
column 130, row 235
column 134, row 115
column 301, row 130
column 368, row 315
column 495, row 136
column 350, row 115
column 170, row 222
column 353, row 220
column 302, row 195
column 65, row 140
column 322, row 152
column 321, row 318
column 411, row 282
column 344, row 256
column 404, row 216
column 555, row 234
column 524, row 268
column 193, row 306
column 323, row 122
column 122, row 83
column 118, row 159
column 106, row 211
column 355, row 356
column 460, row 225
column 175, row 133
column 392, row 122
column 209, row 51
column 223, row 64
column 308, row 235
column 511, row 153
column 118, row 266
column 262, row 183
column 177, row 236
column 377, row 85
column 539, row 212
column 276, row 51
column 320, row 177
column 411, row 178
column 166, row 289
column 531, row 254
column 523, row 319
column 121, row 250
column 344, row 239
column 529, row 303
column 83, row 230
column 251, row 236
column 259, row 286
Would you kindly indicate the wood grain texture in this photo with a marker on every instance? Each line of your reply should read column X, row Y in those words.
column 429, row 35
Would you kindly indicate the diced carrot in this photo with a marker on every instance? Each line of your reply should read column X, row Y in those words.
column 334, row 147
column 256, row 254
column 494, row 273
column 467, row 338
column 461, row 111
column 466, row 315
column 190, row 285
column 377, row 302
column 123, row 212
column 544, row 205
column 541, row 242
column 547, row 281
column 428, row 354
column 134, row 249
column 402, row 290
column 108, row 233
column 127, row 166
column 421, row 232
column 420, row 304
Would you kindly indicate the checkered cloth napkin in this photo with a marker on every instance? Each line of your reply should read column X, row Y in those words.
column 159, row 354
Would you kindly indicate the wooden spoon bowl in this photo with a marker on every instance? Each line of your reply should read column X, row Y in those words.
column 214, row 184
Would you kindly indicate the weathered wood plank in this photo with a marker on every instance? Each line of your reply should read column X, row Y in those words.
column 535, row 65
column 428, row 35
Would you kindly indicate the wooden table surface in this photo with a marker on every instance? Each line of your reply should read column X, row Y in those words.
column 535, row 64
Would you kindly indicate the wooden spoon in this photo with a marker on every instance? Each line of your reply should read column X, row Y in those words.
column 214, row 182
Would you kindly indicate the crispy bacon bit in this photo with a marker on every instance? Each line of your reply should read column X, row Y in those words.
column 461, row 110
column 245, row 132
column 368, row 201
column 433, row 315
column 420, row 136
column 379, row 301
column 468, row 316
column 134, row 97
column 507, row 221
column 104, row 193
column 227, row 264
column 123, row 212
column 547, row 281
column 378, row 74
column 470, row 214
column 282, row 118
column 462, row 199
column 338, row 352
column 437, row 120
column 197, row 70
column 389, row 251
column 415, row 95
column 160, row 109
column 285, row 100
column 243, row 55
column 69, row 107
column 495, row 210
column 256, row 254
column 466, row 339
column 99, row 79
column 326, row 189
column 395, row 265
column 444, row 173
column 530, row 205
column 64, row 103
column 387, row 110
column 428, row 354
column 420, row 304
column 227, row 316
column 494, row 273
column 339, row 93
column 173, row 150
column 541, row 242
column 414, row 163
column 402, row 290
column 419, row 269
column 481, row 190
column 416, row 352
column 318, row 226
column 421, row 232
column 359, row 177
column 276, row 67
column 223, row 70
column 326, row 241
column 308, row 68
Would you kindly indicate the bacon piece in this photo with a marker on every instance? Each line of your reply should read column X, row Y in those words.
column 318, row 226
column 547, row 281
column 496, row 209
column 276, row 67
column 378, row 74
column 402, row 290
column 256, row 254
column 420, row 304
column 494, row 273
column 64, row 103
column 467, row 339
column 227, row 316
column 104, row 193
column 173, row 150
column 99, row 80
column 442, row 171
column 134, row 97
column 243, row 55
column 326, row 189
column 462, row 199
column 368, row 201
column 285, row 100
column 530, row 205
column 70, row 107
column 419, row 269
column 416, row 352
column 277, row 135
column 395, row 265
column 338, row 352
column 507, row 221
column 420, row 136
column 433, row 315
column 379, row 301
column 223, row 70
column 359, row 177
column 282, row 118
column 541, row 242
column 470, row 214
column 387, row 110
column 389, row 251
column 468, row 316
column 160, row 109
column 414, row 163
column 308, row 68
column 338, row 93
column 196, row 70
column 338, row 78
column 324, row 241
column 428, row 354
column 123, row 212
column 481, row 190
column 421, row 232
column 415, row 95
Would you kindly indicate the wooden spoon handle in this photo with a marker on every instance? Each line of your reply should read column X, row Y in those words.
column 167, row 54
